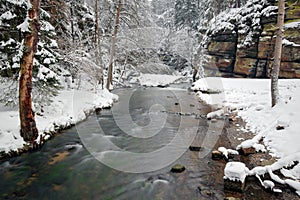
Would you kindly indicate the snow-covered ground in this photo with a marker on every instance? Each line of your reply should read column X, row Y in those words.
column 278, row 126
column 157, row 79
column 69, row 107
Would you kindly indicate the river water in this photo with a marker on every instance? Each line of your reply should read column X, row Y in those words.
column 123, row 153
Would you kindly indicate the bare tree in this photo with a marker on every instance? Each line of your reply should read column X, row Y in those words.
column 28, row 126
column 98, row 42
column 113, row 44
column 72, row 21
column 277, row 54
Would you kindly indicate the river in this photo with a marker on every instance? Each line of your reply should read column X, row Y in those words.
column 122, row 153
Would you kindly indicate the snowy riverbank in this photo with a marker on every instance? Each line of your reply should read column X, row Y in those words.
column 68, row 107
column 278, row 127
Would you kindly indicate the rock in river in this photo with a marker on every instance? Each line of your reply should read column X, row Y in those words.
column 178, row 168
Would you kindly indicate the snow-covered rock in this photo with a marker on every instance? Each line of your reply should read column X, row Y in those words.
column 236, row 171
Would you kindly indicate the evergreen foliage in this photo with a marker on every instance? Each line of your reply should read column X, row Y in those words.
column 45, row 73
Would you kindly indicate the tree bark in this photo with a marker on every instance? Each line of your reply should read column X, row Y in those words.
column 72, row 22
column 28, row 126
column 277, row 54
column 98, row 42
column 112, row 52
column 97, row 37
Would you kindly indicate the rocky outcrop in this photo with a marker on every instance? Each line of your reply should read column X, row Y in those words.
column 241, row 43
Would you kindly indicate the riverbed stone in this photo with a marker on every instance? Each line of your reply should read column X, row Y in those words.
column 235, row 185
column 178, row 168
column 280, row 127
column 231, row 198
column 247, row 151
column 216, row 155
column 194, row 148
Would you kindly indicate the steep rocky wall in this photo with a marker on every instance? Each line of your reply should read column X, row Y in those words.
column 244, row 48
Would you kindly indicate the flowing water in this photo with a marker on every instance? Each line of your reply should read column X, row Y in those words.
column 139, row 140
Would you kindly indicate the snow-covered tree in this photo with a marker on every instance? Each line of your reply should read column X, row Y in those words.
column 163, row 12
column 45, row 81
column 187, row 14
column 30, row 28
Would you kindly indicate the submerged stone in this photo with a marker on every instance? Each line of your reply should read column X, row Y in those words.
column 194, row 148
column 178, row 168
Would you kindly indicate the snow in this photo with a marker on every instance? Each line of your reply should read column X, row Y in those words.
column 227, row 152
column 19, row 2
column 46, row 26
column 208, row 85
column 9, row 42
column 53, row 43
column 157, row 79
column 292, row 173
column 250, row 99
column 235, row 171
column 215, row 114
column 289, row 43
column 268, row 184
column 7, row 15
column 24, row 27
column 294, row 24
column 68, row 108
column 45, row 73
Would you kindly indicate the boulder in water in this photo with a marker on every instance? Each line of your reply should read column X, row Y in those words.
column 178, row 168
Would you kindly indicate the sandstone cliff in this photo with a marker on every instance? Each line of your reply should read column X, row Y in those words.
column 240, row 43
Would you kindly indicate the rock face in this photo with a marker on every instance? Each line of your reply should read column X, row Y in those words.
column 241, row 43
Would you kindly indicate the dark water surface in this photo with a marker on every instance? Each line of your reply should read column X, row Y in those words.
column 68, row 166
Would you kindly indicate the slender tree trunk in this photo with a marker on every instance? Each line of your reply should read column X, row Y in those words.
column 28, row 126
column 218, row 6
column 98, row 42
column 238, row 3
column 72, row 22
column 277, row 54
column 112, row 52
column 97, row 32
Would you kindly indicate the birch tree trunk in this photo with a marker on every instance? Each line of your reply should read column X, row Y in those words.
column 277, row 54
column 113, row 44
column 28, row 126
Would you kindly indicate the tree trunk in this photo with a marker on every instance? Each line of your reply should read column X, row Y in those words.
column 28, row 126
column 218, row 7
column 97, row 32
column 72, row 22
column 238, row 3
column 112, row 52
column 277, row 54
column 98, row 42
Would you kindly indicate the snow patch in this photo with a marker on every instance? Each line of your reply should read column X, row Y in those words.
column 157, row 79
